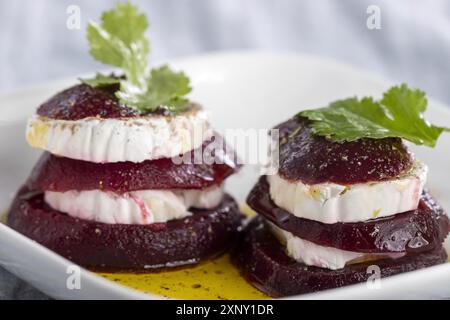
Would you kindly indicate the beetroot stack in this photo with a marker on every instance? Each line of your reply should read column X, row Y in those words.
column 337, row 213
column 123, row 184
column 108, row 193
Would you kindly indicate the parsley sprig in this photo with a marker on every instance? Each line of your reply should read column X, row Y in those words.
column 398, row 114
column 120, row 41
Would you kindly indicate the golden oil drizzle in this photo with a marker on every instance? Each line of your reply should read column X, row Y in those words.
column 247, row 211
column 212, row 279
column 3, row 216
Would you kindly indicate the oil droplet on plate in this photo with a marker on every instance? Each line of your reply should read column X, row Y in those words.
column 211, row 279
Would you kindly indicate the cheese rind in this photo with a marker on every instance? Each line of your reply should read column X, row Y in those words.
column 333, row 203
column 136, row 207
column 311, row 254
column 124, row 139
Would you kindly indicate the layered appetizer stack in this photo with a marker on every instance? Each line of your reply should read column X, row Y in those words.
column 348, row 200
column 118, row 186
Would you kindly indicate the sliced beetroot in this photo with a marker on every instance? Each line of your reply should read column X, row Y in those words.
column 60, row 174
column 420, row 230
column 262, row 261
column 313, row 159
column 126, row 247
column 82, row 101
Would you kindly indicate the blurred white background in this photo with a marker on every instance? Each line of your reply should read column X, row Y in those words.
column 413, row 44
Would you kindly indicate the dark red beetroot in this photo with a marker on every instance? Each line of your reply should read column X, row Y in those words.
column 420, row 230
column 117, row 247
column 62, row 174
column 262, row 261
column 313, row 159
column 82, row 101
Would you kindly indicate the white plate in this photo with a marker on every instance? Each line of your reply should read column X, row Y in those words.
column 242, row 90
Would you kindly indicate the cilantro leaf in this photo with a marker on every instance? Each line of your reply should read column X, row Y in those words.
column 126, row 23
column 398, row 114
column 166, row 88
column 120, row 41
column 101, row 80
column 104, row 47
column 169, row 87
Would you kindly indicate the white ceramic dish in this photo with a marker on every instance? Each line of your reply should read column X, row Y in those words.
column 242, row 90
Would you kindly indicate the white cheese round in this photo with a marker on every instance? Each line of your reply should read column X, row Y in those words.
column 332, row 203
column 312, row 254
column 123, row 139
column 136, row 207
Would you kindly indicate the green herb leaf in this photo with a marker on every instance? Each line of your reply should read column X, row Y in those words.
column 165, row 88
column 104, row 47
column 120, row 41
column 101, row 80
column 398, row 114
column 126, row 23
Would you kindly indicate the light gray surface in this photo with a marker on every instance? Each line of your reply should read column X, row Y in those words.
column 413, row 44
column 13, row 288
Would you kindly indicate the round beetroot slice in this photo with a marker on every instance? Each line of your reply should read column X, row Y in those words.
column 52, row 173
column 262, row 261
column 313, row 159
column 126, row 247
column 82, row 101
column 420, row 230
